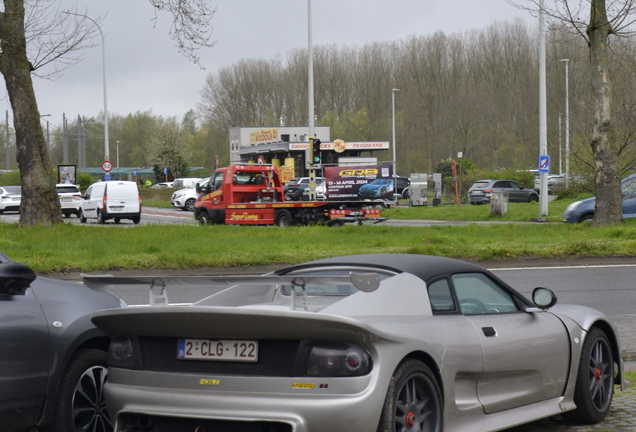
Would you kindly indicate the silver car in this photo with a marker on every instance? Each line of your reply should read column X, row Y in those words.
column 10, row 198
column 387, row 342
column 481, row 191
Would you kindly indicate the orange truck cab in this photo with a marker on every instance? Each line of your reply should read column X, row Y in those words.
column 253, row 195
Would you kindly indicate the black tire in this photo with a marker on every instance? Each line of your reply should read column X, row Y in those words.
column 413, row 401
column 594, row 381
column 189, row 205
column 67, row 215
column 533, row 198
column 81, row 217
column 136, row 219
column 283, row 218
column 80, row 405
column 587, row 217
column 117, row 220
column 203, row 217
column 100, row 217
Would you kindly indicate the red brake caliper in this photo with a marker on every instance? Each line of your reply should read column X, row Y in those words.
column 597, row 374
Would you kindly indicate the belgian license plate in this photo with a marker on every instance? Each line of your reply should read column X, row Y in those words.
column 220, row 350
column 116, row 208
column 66, row 200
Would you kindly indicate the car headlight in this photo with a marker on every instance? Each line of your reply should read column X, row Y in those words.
column 338, row 360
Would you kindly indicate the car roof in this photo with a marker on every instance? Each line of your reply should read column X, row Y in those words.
column 423, row 266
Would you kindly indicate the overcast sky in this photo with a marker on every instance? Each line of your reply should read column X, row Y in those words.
column 145, row 72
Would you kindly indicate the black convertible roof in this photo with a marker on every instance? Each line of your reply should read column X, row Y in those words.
column 422, row 266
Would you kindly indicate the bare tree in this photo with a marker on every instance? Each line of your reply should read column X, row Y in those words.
column 596, row 22
column 169, row 146
column 42, row 29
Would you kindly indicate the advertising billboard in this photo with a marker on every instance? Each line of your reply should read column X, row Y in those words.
column 359, row 183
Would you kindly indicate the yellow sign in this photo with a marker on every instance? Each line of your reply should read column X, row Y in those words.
column 212, row 382
column 264, row 135
column 304, row 385
column 339, row 146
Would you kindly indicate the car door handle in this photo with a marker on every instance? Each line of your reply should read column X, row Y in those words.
column 489, row 331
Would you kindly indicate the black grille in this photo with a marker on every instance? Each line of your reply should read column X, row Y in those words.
column 142, row 423
column 284, row 358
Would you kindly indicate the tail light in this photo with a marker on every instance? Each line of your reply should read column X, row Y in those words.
column 487, row 190
column 139, row 200
column 105, row 205
column 121, row 353
column 338, row 360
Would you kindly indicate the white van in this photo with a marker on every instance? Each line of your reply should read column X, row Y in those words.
column 186, row 182
column 111, row 200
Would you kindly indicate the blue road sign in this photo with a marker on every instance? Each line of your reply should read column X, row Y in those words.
column 544, row 163
column 107, row 177
column 165, row 170
column 135, row 173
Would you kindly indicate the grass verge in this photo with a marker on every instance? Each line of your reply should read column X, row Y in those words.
column 70, row 247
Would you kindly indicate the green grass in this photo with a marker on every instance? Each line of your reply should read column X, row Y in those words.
column 70, row 247
column 465, row 212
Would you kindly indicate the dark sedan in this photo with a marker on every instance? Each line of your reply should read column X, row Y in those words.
column 481, row 191
column 52, row 358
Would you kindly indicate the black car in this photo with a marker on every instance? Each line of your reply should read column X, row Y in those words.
column 298, row 189
column 52, row 358
column 403, row 187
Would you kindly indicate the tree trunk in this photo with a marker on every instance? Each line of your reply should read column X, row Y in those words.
column 40, row 203
column 609, row 204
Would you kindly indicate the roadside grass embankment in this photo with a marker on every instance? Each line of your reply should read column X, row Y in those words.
column 93, row 248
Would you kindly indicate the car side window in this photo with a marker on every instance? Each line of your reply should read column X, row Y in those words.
column 629, row 189
column 440, row 295
column 87, row 195
column 500, row 185
column 478, row 294
column 514, row 185
column 218, row 181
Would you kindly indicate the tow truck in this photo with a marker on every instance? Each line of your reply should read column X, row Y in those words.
column 253, row 195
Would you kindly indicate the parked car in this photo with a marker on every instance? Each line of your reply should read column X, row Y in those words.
column 555, row 183
column 414, row 342
column 161, row 185
column 403, row 188
column 185, row 198
column 53, row 359
column 379, row 188
column 111, row 200
column 70, row 199
column 10, row 197
column 186, row 182
column 298, row 189
column 481, row 191
column 581, row 211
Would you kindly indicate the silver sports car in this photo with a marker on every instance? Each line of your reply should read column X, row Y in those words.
column 361, row 343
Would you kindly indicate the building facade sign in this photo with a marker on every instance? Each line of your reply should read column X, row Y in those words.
column 264, row 135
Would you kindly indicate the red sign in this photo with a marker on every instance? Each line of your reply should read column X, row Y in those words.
column 107, row 166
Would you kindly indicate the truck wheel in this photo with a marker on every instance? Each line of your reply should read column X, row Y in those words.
column 203, row 217
column 283, row 218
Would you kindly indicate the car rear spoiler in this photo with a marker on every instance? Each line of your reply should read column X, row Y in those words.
column 157, row 285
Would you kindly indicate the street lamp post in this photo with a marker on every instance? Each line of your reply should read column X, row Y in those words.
column 118, row 153
column 47, row 130
column 394, row 151
column 106, row 146
column 567, row 124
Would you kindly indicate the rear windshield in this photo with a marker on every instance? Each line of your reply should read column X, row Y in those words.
column 67, row 189
column 479, row 185
column 13, row 189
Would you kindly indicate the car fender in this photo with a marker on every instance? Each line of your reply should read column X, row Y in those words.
column 579, row 320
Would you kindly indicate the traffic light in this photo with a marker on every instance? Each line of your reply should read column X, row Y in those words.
column 316, row 150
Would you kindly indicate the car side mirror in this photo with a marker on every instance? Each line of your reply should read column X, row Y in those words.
column 15, row 278
column 543, row 298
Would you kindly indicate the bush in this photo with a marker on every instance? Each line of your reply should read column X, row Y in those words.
column 10, row 178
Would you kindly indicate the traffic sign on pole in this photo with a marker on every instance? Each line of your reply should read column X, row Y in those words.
column 544, row 163
column 107, row 166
